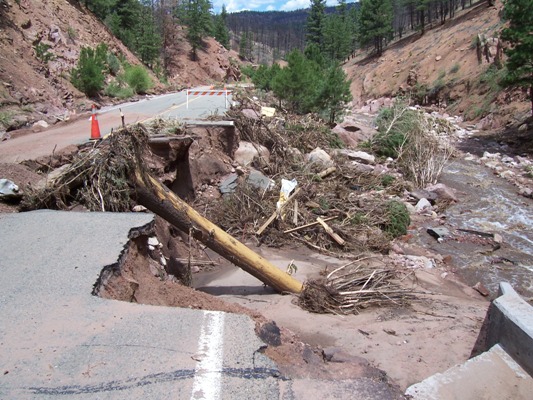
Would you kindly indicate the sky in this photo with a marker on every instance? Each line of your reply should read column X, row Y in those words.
column 265, row 5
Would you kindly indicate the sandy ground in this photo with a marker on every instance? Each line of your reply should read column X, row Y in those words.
column 408, row 343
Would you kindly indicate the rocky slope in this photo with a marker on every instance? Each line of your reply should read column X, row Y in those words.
column 40, row 42
column 450, row 67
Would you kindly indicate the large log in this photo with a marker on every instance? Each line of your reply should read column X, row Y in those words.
column 156, row 197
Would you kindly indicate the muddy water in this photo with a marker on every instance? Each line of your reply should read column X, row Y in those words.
column 489, row 204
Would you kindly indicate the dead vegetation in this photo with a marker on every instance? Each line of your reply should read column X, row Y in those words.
column 326, row 215
column 353, row 287
column 361, row 207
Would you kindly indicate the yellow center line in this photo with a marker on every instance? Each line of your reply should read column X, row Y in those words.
column 168, row 109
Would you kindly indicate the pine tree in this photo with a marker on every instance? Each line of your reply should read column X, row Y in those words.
column 519, row 64
column 334, row 92
column 147, row 38
column 221, row 31
column 246, row 46
column 375, row 23
column 197, row 17
column 315, row 22
column 337, row 33
column 298, row 83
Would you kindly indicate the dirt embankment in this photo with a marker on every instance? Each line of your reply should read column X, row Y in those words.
column 451, row 67
column 40, row 42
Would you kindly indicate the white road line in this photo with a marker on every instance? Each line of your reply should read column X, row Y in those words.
column 208, row 372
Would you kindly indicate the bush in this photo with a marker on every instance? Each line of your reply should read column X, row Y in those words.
column 455, row 68
column 397, row 219
column 114, row 89
column 42, row 53
column 113, row 64
column 88, row 76
column 138, row 79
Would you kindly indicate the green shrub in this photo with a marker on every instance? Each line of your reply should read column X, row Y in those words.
column 88, row 76
column 455, row 68
column 138, row 79
column 114, row 89
column 5, row 118
column 42, row 53
column 397, row 219
column 387, row 180
column 113, row 64
column 393, row 124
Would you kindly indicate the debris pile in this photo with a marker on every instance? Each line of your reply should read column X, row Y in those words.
column 353, row 287
column 345, row 202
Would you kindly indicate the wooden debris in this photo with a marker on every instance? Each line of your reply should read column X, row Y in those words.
column 330, row 232
column 327, row 172
column 165, row 203
column 277, row 212
column 299, row 228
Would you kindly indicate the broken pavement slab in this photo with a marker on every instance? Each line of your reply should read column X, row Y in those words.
column 56, row 338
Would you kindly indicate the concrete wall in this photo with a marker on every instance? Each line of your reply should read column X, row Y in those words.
column 510, row 323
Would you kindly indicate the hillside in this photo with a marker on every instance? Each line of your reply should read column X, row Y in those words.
column 445, row 68
column 40, row 42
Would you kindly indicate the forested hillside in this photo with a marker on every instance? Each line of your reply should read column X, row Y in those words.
column 275, row 33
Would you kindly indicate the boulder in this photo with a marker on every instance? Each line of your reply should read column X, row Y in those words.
column 320, row 158
column 442, row 191
column 259, row 180
column 359, row 156
column 251, row 113
column 422, row 205
column 351, row 133
column 248, row 152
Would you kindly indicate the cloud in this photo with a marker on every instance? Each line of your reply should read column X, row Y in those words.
column 241, row 5
column 295, row 5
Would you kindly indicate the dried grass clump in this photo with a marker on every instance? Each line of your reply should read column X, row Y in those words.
column 353, row 287
column 97, row 178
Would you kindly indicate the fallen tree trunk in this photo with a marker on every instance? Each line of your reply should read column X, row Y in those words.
column 153, row 195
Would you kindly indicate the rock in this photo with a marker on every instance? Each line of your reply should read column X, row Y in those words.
column 423, row 194
column 522, row 128
column 153, row 241
column 506, row 174
column 248, row 152
column 438, row 58
column 410, row 208
column 39, row 126
column 259, row 181
column 438, row 233
column 9, row 190
column 359, row 156
column 497, row 238
column 139, row 208
column 395, row 248
column 526, row 192
column 419, row 262
column 270, row 333
column 442, row 191
column 486, row 154
column 250, row 113
column 481, row 289
column 228, row 184
column 320, row 158
column 423, row 204
column 362, row 168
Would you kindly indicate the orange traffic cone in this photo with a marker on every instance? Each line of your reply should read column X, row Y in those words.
column 95, row 128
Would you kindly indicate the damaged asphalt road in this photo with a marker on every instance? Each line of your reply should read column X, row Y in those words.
column 57, row 339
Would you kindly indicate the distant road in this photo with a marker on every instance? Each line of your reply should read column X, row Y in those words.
column 173, row 106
